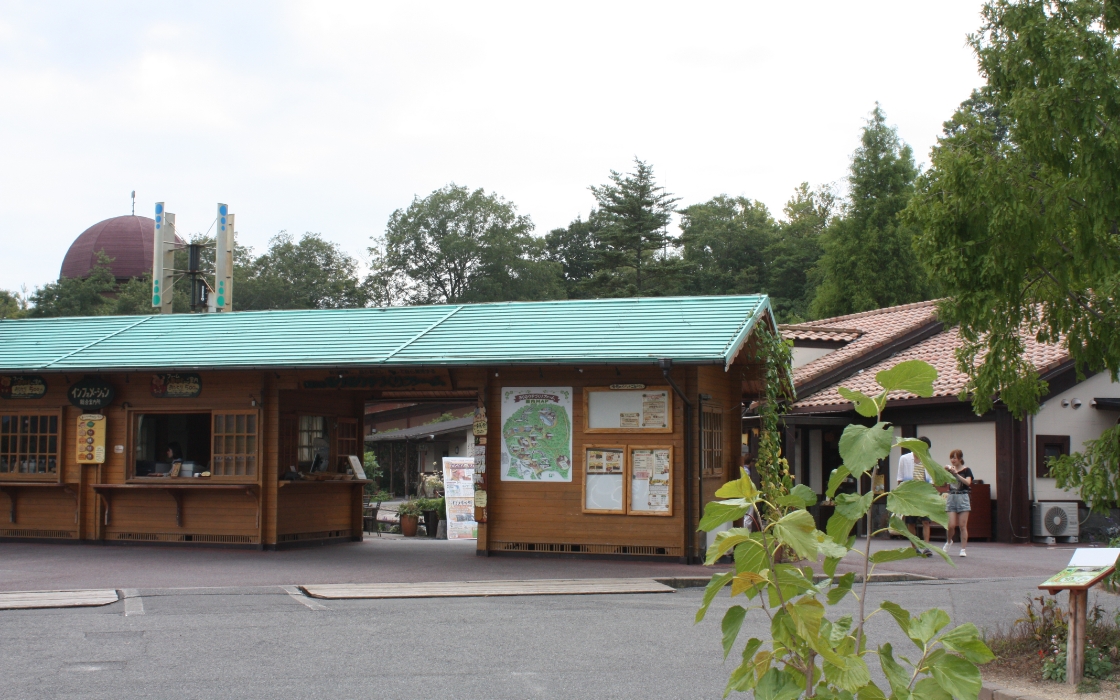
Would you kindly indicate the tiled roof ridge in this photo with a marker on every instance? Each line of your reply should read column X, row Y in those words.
column 818, row 329
column 874, row 312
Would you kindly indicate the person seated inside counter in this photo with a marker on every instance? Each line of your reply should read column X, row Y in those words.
column 166, row 440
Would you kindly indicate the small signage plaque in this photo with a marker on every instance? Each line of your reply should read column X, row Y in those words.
column 22, row 386
column 176, row 386
column 91, row 393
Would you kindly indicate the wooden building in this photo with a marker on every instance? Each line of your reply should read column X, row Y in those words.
column 609, row 422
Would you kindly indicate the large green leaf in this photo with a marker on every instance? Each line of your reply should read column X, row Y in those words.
column 966, row 641
column 926, row 625
column 796, row 529
column 928, row 689
column 841, row 587
column 839, row 527
column 852, row 506
column 885, row 555
column 938, row 473
column 862, row 447
column 852, row 675
column 839, row 475
column 732, row 622
column 751, row 556
column 898, row 527
column 777, row 685
column 742, row 487
column 807, row 613
column 743, row 677
column 726, row 540
column 717, row 513
column 827, row 546
column 897, row 676
column 864, row 404
column 915, row 376
column 801, row 496
column 714, row 586
column 900, row 614
column 959, row 677
column 871, row 692
column 918, row 498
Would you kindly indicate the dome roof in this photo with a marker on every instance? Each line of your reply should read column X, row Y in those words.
column 127, row 240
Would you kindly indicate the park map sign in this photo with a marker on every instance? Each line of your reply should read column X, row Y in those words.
column 536, row 433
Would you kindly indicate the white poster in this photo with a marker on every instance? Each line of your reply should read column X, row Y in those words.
column 536, row 434
column 458, row 493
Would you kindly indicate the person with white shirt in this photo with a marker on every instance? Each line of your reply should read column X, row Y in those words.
column 910, row 468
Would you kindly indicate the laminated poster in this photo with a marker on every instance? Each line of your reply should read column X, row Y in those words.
column 536, row 440
column 458, row 491
column 649, row 480
column 655, row 409
column 604, row 480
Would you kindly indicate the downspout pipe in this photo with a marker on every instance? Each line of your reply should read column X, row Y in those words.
column 666, row 365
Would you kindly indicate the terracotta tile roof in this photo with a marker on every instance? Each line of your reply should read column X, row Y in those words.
column 939, row 351
column 876, row 328
column 807, row 332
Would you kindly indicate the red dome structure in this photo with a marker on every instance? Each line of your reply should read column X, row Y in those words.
column 126, row 239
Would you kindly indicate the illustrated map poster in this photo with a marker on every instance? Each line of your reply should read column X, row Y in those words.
column 650, row 469
column 458, row 493
column 536, row 434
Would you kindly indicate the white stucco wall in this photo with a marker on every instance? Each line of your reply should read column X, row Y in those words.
column 803, row 356
column 976, row 440
column 1081, row 424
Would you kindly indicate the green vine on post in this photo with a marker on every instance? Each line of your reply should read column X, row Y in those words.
column 807, row 653
column 775, row 355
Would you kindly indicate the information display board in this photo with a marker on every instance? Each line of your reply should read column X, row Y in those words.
column 604, row 479
column 458, row 490
column 651, row 471
column 536, row 441
column 633, row 411
column 90, row 439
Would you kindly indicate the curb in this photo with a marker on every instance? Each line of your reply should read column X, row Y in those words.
column 996, row 692
column 679, row 582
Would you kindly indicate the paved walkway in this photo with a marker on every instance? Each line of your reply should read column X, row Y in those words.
column 395, row 559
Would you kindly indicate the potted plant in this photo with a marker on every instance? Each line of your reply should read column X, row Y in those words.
column 431, row 507
column 409, row 512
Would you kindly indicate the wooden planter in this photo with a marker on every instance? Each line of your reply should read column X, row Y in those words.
column 409, row 524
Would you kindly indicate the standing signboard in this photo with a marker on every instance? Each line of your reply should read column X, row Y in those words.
column 458, row 494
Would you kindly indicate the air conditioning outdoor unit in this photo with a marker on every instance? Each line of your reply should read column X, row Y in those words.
column 1051, row 520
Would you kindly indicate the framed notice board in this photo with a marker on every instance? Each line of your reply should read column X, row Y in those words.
column 651, row 480
column 604, row 479
column 609, row 410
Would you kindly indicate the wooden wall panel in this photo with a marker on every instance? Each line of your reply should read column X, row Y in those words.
column 307, row 508
column 551, row 512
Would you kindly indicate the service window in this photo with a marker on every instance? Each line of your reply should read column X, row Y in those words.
column 1048, row 447
column 162, row 439
column 29, row 446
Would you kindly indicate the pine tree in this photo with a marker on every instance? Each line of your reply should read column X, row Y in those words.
column 868, row 260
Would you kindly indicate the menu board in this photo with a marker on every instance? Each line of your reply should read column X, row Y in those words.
column 90, row 439
column 644, row 410
column 458, row 491
column 604, row 473
column 651, row 471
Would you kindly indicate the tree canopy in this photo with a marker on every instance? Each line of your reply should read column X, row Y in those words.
column 310, row 273
column 724, row 243
column 881, row 182
column 1019, row 211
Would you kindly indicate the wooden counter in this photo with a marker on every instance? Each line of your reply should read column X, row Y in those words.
column 174, row 488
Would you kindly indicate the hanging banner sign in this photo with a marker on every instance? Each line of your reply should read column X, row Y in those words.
column 176, row 386
column 536, row 441
column 22, row 386
column 90, row 439
column 480, row 424
column 458, row 490
column 91, row 394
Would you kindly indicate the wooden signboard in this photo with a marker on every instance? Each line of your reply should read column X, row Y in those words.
column 1087, row 568
column 610, row 410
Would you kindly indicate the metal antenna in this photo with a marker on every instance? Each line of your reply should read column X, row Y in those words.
column 134, row 202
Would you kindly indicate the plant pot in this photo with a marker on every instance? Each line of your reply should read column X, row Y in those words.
column 409, row 523
column 431, row 522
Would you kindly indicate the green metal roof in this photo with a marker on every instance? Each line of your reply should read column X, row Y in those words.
column 685, row 329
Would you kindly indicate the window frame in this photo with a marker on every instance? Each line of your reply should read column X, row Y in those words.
column 1041, row 471
column 712, row 444
column 60, row 447
column 133, row 415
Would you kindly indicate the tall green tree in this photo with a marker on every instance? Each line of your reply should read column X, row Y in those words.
column 881, row 183
column 458, row 245
column 634, row 241
column 576, row 249
column 310, row 273
column 1020, row 209
column 12, row 304
column 77, row 296
column 792, row 257
column 723, row 243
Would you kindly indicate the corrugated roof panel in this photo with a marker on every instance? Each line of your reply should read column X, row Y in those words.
column 693, row 329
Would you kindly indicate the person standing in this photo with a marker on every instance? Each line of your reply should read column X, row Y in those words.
column 958, row 502
column 910, row 468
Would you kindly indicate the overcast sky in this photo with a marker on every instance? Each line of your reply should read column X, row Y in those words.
column 327, row 116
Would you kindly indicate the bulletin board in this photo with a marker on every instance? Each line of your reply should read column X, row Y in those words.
column 651, row 480
column 604, row 479
column 647, row 410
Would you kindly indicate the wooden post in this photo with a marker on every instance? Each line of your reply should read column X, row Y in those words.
column 1075, row 641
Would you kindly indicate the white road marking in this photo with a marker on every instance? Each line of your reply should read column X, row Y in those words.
column 133, row 603
column 298, row 595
